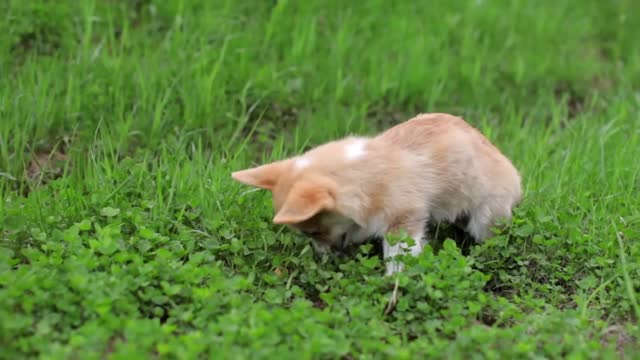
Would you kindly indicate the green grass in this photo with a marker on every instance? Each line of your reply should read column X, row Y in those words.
column 140, row 245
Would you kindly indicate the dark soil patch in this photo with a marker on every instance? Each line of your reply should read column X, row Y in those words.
column 137, row 11
column 266, row 121
column 574, row 101
column 40, row 42
column 41, row 166
column 382, row 115
column 46, row 166
column 620, row 339
column 111, row 344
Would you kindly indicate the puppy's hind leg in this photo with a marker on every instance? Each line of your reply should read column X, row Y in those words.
column 482, row 220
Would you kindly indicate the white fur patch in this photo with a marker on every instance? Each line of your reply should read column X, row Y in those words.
column 302, row 163
column 355, row 150
column 375, row 226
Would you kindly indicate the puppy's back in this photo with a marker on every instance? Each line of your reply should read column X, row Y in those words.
column 463, row 159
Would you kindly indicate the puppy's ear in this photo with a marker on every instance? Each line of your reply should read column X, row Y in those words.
column 264, row 176
column 305, row 200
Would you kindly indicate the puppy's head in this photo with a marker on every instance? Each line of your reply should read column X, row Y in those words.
column 306, row 197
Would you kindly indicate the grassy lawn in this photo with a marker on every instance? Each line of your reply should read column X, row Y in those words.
column 122, row 234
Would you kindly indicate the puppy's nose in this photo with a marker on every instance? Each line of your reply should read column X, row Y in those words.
column 340, row 244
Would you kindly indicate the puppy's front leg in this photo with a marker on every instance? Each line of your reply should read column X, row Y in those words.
column 389, row 251
column 416, row 230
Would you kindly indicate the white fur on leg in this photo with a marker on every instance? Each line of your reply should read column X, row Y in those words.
column 391, row 251
column 420, row 241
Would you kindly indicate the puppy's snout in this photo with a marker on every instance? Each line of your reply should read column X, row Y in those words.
column 340, row 244
column 333, row 246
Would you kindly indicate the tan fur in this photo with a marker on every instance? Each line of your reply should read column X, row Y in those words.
column 434, row 167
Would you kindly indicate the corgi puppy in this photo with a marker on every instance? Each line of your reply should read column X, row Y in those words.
column 432, row 168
